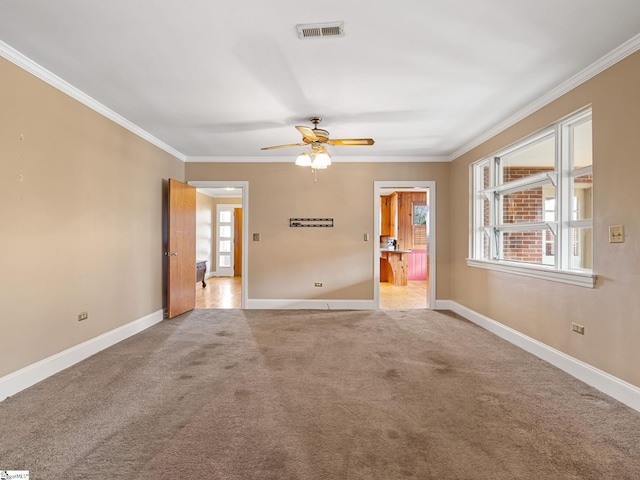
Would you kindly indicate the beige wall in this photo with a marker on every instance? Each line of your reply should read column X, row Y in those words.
column 287, row 261
column 81, row 210
column 542, row 309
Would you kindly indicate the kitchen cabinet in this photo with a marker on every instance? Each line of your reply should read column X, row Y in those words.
column 389, row 215
column 393, row 266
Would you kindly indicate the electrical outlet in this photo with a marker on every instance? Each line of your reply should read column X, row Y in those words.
column 318, row 284
column 578, row 328
column 256, row 237
column 616, row 233
column 83, row 316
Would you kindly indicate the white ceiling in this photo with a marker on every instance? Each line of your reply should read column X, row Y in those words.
column 424, row 78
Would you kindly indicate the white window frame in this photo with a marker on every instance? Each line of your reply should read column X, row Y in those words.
column 561, row 178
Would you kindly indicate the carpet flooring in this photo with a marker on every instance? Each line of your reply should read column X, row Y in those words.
column 254, row 394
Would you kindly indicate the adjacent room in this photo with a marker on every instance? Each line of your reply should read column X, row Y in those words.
column 362, row 240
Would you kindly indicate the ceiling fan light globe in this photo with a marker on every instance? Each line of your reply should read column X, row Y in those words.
column 303, row 160
column 321, row 160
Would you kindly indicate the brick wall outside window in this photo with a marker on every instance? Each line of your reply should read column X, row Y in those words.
column 520, row 207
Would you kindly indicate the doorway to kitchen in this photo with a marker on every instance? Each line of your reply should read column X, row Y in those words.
column 404, row 251
column 221, row 244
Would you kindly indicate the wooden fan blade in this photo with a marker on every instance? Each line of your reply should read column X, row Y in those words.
column 284, row 146
column 346, row 142
column 308, row 133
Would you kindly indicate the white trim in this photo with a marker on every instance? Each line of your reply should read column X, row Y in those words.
column 613, row 386
column 444, row 305
column 610, row 59
column 34, row 373
column 522, row 184
column 580, row 279
column 244, row 185
column 55, row 81
column 302, row 304
column 403, row 184
column 335, row 158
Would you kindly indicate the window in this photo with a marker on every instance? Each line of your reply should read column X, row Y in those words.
column 419, row 225
column 532, row 205
column 225, row 237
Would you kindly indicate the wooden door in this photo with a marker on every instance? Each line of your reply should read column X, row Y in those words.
column 181, row 295
column 237, row 242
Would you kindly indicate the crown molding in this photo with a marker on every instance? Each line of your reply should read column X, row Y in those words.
column 613, row 57
column 334, row 159
column 55, row 81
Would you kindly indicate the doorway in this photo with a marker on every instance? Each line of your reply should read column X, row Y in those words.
column 404, row 253
column 224, row 232
column 221, row 242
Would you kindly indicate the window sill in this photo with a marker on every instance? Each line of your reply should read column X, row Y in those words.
column 581, row 279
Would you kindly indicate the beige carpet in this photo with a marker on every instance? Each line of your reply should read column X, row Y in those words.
column 387, row 395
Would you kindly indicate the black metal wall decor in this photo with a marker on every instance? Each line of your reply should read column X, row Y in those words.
column 311, row 222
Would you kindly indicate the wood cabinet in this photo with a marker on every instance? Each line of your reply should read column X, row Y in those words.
column 393, row 267
column 389, row 215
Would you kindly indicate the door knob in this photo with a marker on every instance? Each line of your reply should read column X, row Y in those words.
column 172, row 254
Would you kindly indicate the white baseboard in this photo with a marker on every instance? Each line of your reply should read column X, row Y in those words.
column 444, row 305
column 34, row 373
column 622, row 391
column 303, row 304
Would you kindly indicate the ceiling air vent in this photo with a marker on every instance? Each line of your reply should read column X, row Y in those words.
column 317, row 30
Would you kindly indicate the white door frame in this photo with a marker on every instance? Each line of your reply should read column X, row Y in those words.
column 431, row 186
column 244, row 185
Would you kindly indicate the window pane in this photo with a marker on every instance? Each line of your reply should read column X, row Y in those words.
column 419, row 214
column 525, row 246
column 482, row 177
column 548, row 248
column 485, row 176
column 532, row 159
column 486, row 247
column 224, row 260
column 582, row 151
column 225, row 246
column 582, row 198
column 582, row 248
column 225, row 231
column 549, row 206
column 225, row 216
column 529, row 206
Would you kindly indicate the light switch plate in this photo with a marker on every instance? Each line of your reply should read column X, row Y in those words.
column 616, row 233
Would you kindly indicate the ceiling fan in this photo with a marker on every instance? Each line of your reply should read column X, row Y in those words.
column 316, row 136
